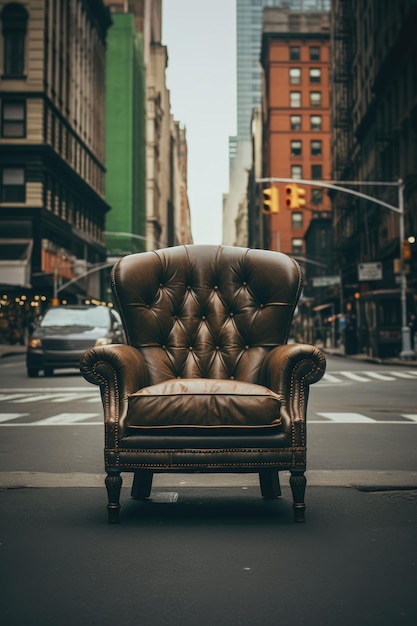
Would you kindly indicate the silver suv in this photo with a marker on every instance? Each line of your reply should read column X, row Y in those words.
column 64, row 334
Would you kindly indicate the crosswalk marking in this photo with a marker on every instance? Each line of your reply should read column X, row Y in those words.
column 354, row 376
column 410, row 416
column 68, row 397
column 36, row 398
column 330, row 378
column 346, row 418
column 65, row 418
column 6, row 417
column 379, row 376
column 10, row 396
column 407, row 375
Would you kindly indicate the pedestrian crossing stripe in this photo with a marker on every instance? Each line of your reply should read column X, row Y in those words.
column 347, row 418
column 95, row 419
column 344, row 377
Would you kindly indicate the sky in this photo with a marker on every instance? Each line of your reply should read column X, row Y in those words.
column 201, row 40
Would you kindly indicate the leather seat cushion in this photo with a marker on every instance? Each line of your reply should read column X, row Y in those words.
column 204, row 403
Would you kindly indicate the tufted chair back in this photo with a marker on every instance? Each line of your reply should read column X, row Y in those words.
column 203, row 311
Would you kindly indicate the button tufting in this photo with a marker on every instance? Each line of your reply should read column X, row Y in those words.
column 203, row 317
column 261, row 306
column 232, row 377
column 231, row 314
column 244, row 283
column 216, row 287
column 246, row 347
column 190, row 349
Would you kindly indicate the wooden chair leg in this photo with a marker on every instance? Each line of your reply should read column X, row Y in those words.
column 269, row 483
column 298, row 486
column 142, row 484
column 113, row 483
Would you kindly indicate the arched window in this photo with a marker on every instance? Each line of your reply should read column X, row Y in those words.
column 14, row 19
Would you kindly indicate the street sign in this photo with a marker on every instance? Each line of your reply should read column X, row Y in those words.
column 325, row 281
column 370, row 271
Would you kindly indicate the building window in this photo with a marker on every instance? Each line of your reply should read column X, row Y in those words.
column 295, row 99
column 315, row 122
column 316, row 148
column 295, row 76
column 13, row 184
column 296, row 245
column 316, row 172
column 315, row 75
column 296, row 171
column 315, row 98
column 296, row 219
column 14, row 19
column 13, row 123
column 296, row 147
column 317, row 196
column 314, row 53
column 294, row 53
column 295, row 122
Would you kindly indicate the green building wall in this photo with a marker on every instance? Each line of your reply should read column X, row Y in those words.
column 125, row 186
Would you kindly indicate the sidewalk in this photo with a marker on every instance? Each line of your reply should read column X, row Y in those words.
column 369, row 359
column 9, row 350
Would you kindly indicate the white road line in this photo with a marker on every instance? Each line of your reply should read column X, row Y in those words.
column 330, row 378
column 12, row 396
column 36, row 398
column 67, row 397
column 64, row 418
column 353, row 376
column 5, row 417
column 347, row 418
column 410, row 416
column 407, row 375
column 379, row 376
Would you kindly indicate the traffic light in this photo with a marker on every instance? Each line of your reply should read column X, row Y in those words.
column 294, row 197
column 270, row 199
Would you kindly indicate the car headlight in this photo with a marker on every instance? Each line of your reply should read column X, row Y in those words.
column 103, row 341
column 34, row 343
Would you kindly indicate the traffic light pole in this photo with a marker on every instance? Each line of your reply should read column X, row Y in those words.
column 338, row 185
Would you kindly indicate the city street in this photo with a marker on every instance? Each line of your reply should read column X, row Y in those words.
column 207, row 549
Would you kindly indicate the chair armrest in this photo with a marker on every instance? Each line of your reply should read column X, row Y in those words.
column 120, row 370
column 289, row 370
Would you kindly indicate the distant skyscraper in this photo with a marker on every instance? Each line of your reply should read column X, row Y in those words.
column 248, row 45
column 249, row 16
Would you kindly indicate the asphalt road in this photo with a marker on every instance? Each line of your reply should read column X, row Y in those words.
column 207, row 549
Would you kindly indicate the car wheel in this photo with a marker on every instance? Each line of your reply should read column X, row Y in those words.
column 32, row 373
column 49, row 371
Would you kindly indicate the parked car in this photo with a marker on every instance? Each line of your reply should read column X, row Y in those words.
column 64, row 334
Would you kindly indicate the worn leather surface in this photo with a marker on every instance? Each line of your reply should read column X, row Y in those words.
column 206, row 311
column 204, row 402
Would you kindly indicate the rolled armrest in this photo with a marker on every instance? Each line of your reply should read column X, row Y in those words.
column 120, row 370
column 289, row 370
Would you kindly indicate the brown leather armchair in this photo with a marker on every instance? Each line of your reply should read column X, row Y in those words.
column 206, row 382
